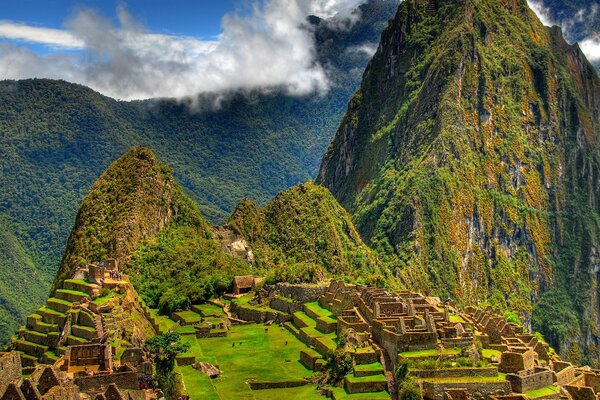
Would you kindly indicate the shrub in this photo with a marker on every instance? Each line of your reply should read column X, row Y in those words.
column 409, row 391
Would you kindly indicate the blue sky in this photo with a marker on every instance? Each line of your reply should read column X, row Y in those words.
column 199, row 18
column 138, row 49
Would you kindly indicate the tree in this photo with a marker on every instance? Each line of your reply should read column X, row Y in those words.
column 164, row 349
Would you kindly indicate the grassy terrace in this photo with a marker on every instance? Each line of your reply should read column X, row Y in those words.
column 376, row 367
column 50, row 311
column 261, row 356
column 320, row 311
column 340, row 394
column 165, row 323
column 467, row 379
column 209, row 310
column 547, row 391
column 429, row 353
column 189, row 317
column 489, row 353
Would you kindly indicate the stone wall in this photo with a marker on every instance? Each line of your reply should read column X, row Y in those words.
column 580, row 392
column 124, row 380
column 10, row 369
column 512, row 362
column 302, row 293
column 285, row 305
column 478, row 390
column 276, row 385
column 258, row 316
column 454, row 372
column 592, row 379
column 526, row 381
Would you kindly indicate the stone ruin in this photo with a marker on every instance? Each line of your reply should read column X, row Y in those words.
column 90, row 356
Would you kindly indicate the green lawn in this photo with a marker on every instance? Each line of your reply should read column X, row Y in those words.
column 320, row 311
column 165, row 323
column 340, row 394
column 189, row 317
column 209, row 310
column 261, row 356
column 467, row 379
column 456, row 318
column 429, row 353
column 546, row 391
column 369, row 367
column 489, row 353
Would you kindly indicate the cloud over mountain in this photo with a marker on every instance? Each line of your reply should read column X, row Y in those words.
column 268, row 47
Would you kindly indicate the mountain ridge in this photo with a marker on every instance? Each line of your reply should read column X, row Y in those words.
column 457, row 160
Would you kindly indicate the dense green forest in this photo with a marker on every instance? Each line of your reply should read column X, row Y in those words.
column 56, row 138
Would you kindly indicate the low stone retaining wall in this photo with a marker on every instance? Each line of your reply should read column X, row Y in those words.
column 259, row 316
column 308, row 357
column 285, row 305
column 124, row 380
column 276, row 385
column 302, row 293
column 454, row 372
column 326, row 325
column 185, row 360
column 365, row 357
column 378, row 385
column 479, row 390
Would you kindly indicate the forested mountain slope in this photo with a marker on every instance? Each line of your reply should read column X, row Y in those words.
column 56, row 138
column 470, row 156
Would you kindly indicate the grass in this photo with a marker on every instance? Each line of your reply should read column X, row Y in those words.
column 186, row 329
column 60, row 301
column 73, row 292
column 489, row 353
column 546, row 391
column 311, row 323
column 372, row 378
column 99, row 301
column 50, row 311
column 340, row 394
column 261, row 356
column 316, row 308
column 209, row 310
column 456, row 318
column 429, row 353
column 189, row 317
column 165, row 323
column 369, row 367
column 467, row 379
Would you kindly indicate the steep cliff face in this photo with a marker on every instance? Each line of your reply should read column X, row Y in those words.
column 304, row 234
column 470, row 158
column 132, row 201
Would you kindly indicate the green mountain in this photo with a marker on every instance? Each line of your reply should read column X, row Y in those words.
column 56, row 138
column 137, row 213
column 470, row 157
column 305, row 234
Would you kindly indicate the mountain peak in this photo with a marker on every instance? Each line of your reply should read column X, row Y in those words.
column 133, row 200
column 462, row 154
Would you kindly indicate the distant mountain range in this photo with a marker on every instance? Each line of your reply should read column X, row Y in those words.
column 56, row 138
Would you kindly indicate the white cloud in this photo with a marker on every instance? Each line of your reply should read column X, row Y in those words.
column 591, row 48
column 589, row 45
column 542, row 12
column 271, row 47
column 53, row 37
